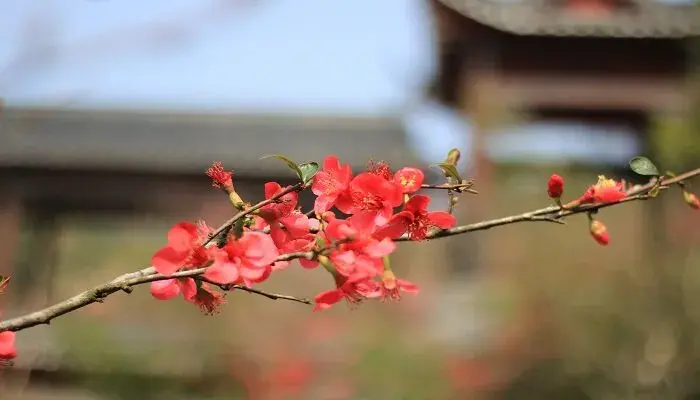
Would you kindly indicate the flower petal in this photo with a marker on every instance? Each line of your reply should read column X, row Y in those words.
column 165, row 289
column 7, row 345
column 182, row 235
column 331, row 163
column 188, row 288
column 168, row 260
column 442, row 219
column 222, row 272
column 344, row 262
column 394, row 229
column 271, row 188
column 325, row 300
column 416, row 203
column 380, row 249
column 406, row 286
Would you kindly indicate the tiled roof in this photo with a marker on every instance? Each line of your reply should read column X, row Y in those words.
column 646, row 19
column 187, row 142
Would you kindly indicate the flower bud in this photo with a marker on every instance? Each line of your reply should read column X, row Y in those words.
column 599, row 232
column 691, row 199
column 555, row 186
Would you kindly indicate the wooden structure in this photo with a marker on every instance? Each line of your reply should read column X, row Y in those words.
column 54, row 161
column 596, row 61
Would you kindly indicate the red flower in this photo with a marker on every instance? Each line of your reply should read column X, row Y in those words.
column 252, row 255
column 223, row 270
column 7, row 345
column 282, row 207
column 691, row 199
column 329, row 183
column 416, row 220
column 373, row 195
column 353, row 289
column 390, row 286
column 357, row 250
column 208, row 300
column 604, row 191
column 221, row 178
column 555, row 186
column 184, row 249
column 409, row 179
column 169, row 288
column 599, row 232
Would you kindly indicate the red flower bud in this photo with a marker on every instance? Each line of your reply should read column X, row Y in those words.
column 555, row 186
column 599, row 232
column 691, row 199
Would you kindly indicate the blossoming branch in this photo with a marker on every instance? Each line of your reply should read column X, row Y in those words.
column 351, row 232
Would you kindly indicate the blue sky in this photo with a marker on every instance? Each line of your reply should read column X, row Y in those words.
column 303, row 56
column 360, row 56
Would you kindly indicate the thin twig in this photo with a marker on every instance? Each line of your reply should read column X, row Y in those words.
column 636, row 193
column 126, row 281
column 459, row 187
column 99, row 293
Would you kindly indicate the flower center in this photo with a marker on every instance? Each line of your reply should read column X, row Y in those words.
column 604, row 183
column 367, row 201
column 418, row 228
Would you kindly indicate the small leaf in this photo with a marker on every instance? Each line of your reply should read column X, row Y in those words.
column 308, row 171
column 643, row 166
column 290, row 163
column 449, row 170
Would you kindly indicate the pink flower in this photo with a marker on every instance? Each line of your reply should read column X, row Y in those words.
column 372, row 195
column 204, row 297
column 282, row 207
column 252, row 254
column 223, row 270
column 391, row 286
column 353, row 289
column 329, row 183
column 416, row 220
column 409, row 179
column 168, row 288
column 184, row 249
column 604, row 191
column 7, row 345
column 356, row 249
column 220, row 177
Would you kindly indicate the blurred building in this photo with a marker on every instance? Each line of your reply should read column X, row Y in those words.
column 55, row 161
column 609, row 65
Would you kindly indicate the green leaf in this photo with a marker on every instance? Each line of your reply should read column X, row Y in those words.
column 450, row 170
column 290, row 163
column 643, row 166
column 307, row 171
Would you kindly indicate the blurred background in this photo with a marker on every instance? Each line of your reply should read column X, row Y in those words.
column 112, row 109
